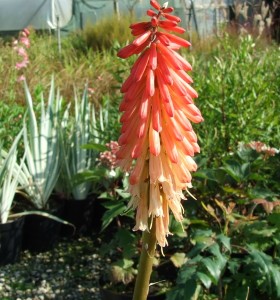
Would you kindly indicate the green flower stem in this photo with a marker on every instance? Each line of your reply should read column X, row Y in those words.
column 141, row 289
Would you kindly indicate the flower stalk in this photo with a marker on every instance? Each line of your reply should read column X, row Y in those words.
column 141, row 288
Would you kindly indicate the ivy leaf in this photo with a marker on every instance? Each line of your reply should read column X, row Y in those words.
column 204, row 279
column 263, row 264
column 212, row 268
column 234, row 265
column 186, row 272
column 225, row 241
column 178, row 259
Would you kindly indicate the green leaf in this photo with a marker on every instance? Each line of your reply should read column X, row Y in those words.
column 225, row 241
column 261, row 192
column 43, row 214
column 192, row 290
column 203, row 236
column 177, row 228
column 111, row 213
column 233, row 265
column 122, row 193
column 204, row 279
column 124, row 263
column 198, row 222
column 239, row 292
column 123, row 271
column 106, row 195
column 112, row 204
column 210, row 174
column 187, row 271
column 177, row 293
column 263, row 264
column 213, row 269
column 274, row 219
column 236, row 170
column 94, row 146
column 90, row 175
column 178, row 259
column 125, row 237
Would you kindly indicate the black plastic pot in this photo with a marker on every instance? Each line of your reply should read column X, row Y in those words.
column 80, row 214
column 11, row 241
column 41, row 233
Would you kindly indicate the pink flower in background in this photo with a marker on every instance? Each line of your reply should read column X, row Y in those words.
column 26, row 32
column 157, row 140
column 21, row 78
column 22, row 64
column 91, row 91
column 22, row 52
column 108, row 158
column 262, row 148
column 20, row 46
column 25, row 41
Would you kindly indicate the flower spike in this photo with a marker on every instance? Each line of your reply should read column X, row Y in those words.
column 157, row 140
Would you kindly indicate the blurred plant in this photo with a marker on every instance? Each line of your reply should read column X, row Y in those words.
column 116, row 196
column 234, row 230
column 76, row 157
column 219, row 267
column 41, row 142
column 97, row 128
column 121, row 268
column 131, row 4
column 102, row 35
column 9, row 176
column 252, row 172
column 237, row 84
column 10, row 123
column 262, row 148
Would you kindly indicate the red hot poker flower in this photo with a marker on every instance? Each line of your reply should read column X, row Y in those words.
column 156, row 131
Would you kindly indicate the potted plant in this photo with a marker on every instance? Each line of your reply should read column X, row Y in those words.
column 10, row 229
column 80, row 147
column 41, row 171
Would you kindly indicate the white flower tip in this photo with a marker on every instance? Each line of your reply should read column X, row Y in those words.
column 165, row 4
column 112, row 173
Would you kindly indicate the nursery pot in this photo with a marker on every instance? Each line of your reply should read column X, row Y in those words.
column 10, row 241
column 80, row 214
column 41, row 233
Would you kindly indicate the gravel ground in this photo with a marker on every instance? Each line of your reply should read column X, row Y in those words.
column 70, row 271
